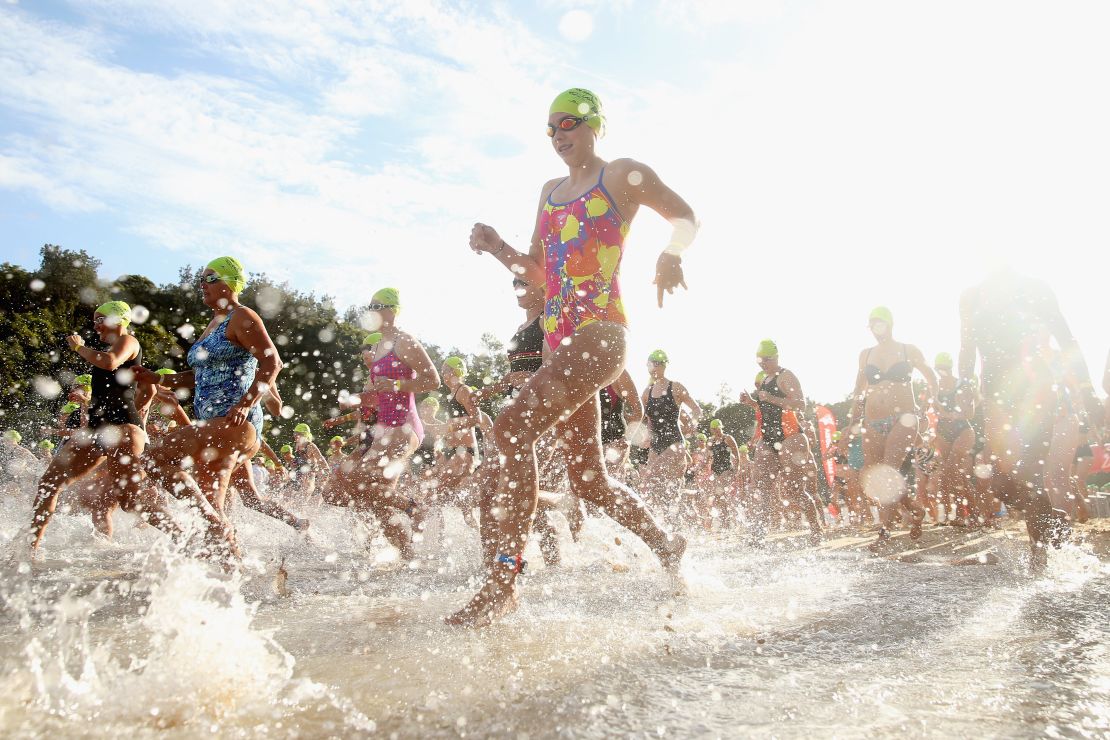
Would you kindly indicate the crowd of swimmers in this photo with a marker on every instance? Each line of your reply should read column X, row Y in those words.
column 1008, row 422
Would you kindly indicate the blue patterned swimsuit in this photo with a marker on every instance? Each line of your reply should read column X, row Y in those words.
column 223, row 373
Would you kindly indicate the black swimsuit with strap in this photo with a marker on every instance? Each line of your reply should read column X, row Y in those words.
column 663, row 413
column 113, row 401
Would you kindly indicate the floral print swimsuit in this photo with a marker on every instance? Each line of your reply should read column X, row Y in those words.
column 583, row 242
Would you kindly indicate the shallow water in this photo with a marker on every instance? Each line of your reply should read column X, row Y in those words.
column 129, row 637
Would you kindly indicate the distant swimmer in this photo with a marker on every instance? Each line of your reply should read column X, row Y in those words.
column 885, row 407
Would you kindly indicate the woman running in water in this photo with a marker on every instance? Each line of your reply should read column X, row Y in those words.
column 891, row 420
column 782, row 456
column 576, row 250
column 620, row 407
column 955, row 438
column 309, row 468
column 724, row 459
column 400, row 369
column 1008, row 322
column 114, row 438
column 460, row 443
column 663, row 400
column 234, row 366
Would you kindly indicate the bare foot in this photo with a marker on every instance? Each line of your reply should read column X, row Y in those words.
column 496, row 599
column 881, row 545
column 302, row 525
column 671, row 557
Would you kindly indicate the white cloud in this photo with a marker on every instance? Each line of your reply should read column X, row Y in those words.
column 869, row 153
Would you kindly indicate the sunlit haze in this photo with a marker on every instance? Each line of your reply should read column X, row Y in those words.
column 839, row 155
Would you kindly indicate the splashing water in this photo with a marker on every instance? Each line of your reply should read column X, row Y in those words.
column 106, row 638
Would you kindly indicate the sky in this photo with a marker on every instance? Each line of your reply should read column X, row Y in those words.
column 839, row 155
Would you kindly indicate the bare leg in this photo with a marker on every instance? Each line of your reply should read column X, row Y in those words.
column 570, row 377
column 119, row 447
column 243, row 481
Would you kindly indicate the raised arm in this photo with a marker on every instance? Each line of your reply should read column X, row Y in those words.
column 126, row 347
column 638, row 185
column 683, row 397
column 530, row 267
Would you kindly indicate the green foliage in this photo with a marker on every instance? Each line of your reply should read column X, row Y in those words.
column 319, row 348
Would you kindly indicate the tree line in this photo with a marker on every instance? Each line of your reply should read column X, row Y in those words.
column 319, row 346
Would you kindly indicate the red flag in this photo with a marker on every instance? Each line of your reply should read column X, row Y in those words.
column 826, row 427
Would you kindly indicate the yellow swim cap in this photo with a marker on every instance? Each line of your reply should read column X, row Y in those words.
column 371, row 339
column 659, row 357
column 881, row 313
column 118, row 310
column 767, row 348
column 759, row 377
column 83, row 381
column 286, row 448
column 431, row 402
column 943, row 359
column 164, row 371
column 387, row 297
column 13, row 436
column 702, row 437
column 457, row 365
column 303, row 429
column 46, row 444
column 70, row 407
column 335, row 439
column 579, row 101
column 231, row 272
column 715, row 424
column 743, row 449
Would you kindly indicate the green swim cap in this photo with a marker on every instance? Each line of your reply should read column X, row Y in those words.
column 13, row 436
column 836, row 436
column 457, row 365
column 702, row 437
column 303, row 429
column 335, row 439
column 286, row 448
column 46, row 444
column 269, row 463
column 881, row 313
column 767, row 348
column 83, row 381
column 371, row 339
column 389, row 297
column 715, row 424
column 943, row 359
column 659, row 357
column 70, row 407
column 231, row 272
column 117, row 309
column 743, row 449
column 431, row 401
column 579, row 101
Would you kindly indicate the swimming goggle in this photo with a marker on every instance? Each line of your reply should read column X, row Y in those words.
column 380, row 306
column 210, row 278
column 567, row 124
column 518, row 283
